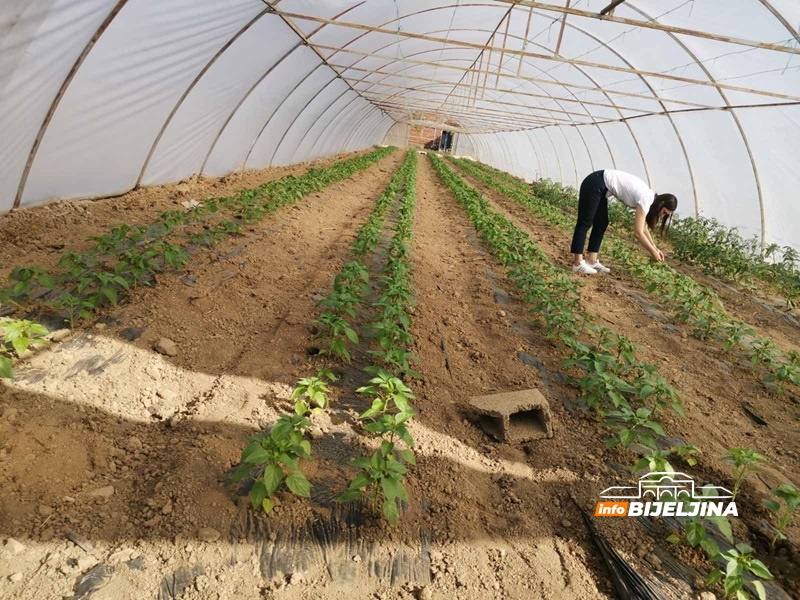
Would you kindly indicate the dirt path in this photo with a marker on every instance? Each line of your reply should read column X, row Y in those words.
column 711, row 383
column 469, row 330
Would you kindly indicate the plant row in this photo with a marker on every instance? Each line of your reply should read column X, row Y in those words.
column 272, row 458
column 16, row 336
column 129, row 256
column 705, row 242
column 351, row 284
column 624, row 391
column 691, row 302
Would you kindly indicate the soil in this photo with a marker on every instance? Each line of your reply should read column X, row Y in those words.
column 114, row 457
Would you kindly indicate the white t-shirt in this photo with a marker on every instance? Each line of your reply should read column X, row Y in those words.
column 629, row 189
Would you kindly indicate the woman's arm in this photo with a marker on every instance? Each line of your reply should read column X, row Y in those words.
column 643, row 235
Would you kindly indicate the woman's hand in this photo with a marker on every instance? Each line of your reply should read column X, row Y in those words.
column 657, row 255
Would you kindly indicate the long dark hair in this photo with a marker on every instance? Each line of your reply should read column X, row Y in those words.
column 667, row 201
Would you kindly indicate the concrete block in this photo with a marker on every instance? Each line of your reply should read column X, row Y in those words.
column 514, row 416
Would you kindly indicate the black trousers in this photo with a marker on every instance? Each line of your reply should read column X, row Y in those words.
column 592, row 213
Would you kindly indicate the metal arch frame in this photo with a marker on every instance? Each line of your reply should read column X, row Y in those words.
column 555, row 100
column 458, row 109
column 533, row 107
column 274, row 112
column 499, row 70
column 244, row 98
column 605, row 93
column 379, row 125
column 555, row 82
column 512, row 92
column 297, row 116
column 189, row 89
column 414, row 14
column 337, row 123
column 366, row 124
column 314, row 122
column 420, row 88
column 60, row 94
column 778, row 15
column 365, row 113
column 558, row 59
column 121, row 4
column 515, row 76
column 270, row 9
column 655, row 25
column 656, row 98
column 738, row 125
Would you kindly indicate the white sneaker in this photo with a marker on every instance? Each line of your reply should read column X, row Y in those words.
column 600, row 267
column 584, row 269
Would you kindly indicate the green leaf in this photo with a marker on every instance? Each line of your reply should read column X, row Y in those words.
column 350, row 495
column 240, row 473
column 298, row 484
column 306, row 446
column 257, row 493
column 361, row 463
column 771, row 505
column 20, row 345
column 759, row 569
column 110, row 293
column 674, row 538
column 710, row 547
column 714, row 576
column 733, row 584
column 744, row 548
column 360, row 481
column 255, row 453
column 695, row 533
column 759, row 587
column 287, row 460
column 626, row 436
column 724, row 526
column 273, row 475
column 391, row 511
column 392, row 488
column 655, row 426
column 351, row 335
column 408, row 456
column 268, row 504
column 300, row 408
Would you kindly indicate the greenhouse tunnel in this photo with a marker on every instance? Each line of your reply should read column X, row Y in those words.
column 297, row 300
column 698, row 98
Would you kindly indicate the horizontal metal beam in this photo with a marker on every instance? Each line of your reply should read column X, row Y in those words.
column 665, row 113
column 480, row 71
column 537, row 55
column 345, row 68
column 432, row 106
column 653, row 25
column 479, row 126
column 491, row 101
column 453, row 107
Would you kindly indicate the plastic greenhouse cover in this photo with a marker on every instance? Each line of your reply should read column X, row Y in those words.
column 91, row 107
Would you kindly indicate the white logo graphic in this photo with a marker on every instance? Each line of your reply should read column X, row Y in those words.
column 664, row 483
